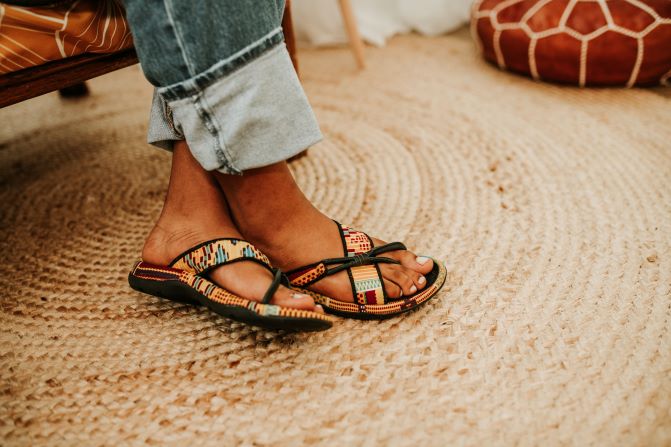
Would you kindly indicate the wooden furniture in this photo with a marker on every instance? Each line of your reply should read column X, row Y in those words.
column 352, row 32
column 31, row 82
column 70, row 72
column 289, row 36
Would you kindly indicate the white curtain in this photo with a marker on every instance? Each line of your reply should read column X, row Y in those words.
column 319, row 22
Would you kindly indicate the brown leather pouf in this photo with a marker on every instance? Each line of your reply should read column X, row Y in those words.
column 584, row 42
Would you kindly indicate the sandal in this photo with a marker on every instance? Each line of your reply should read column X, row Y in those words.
column 361, row 262
column 185, row 280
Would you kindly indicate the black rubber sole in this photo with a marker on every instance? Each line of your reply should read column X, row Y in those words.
column 177, row 291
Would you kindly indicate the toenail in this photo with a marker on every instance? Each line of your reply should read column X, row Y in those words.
column 421, row 260
column 298, row 296
column 421, row 280
column 413, row 289
column 319, row 307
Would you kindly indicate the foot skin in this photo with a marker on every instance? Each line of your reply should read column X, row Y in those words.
column 245, row 279
column 273, row 214
column 195, row 211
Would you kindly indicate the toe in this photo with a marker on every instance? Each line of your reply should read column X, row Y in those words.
column 392, row 289
column 251, row 281
column 290, row 298
column 419, row 264
column 418, row 279
column 399, row 276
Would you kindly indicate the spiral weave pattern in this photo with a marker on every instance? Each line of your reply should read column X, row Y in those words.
column 551, row 206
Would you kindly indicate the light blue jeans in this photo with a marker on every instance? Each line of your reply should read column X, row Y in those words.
column 224, row 81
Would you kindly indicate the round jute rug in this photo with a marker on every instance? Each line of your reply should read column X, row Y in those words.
column 551, row 206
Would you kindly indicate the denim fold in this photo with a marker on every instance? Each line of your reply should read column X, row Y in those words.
column 224, row 81
column 253, row 117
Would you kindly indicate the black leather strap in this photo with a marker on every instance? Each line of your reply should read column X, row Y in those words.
column 278, row 280
column 368, row 258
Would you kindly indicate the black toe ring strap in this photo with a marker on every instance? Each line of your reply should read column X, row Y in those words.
column 368, row 258
column 278, row 280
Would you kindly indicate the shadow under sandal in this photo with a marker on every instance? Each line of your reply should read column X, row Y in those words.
column 362, row 261
column 185, row 280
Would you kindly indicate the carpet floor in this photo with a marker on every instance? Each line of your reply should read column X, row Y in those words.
column 550, row 205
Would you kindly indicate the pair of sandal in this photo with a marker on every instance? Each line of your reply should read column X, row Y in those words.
column 185, row 280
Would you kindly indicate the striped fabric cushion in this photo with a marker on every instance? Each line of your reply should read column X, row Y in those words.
column 31, row 36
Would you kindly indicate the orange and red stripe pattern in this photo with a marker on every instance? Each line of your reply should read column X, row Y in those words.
column 32, row 36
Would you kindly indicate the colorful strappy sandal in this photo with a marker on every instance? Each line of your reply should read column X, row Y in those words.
column 185, row 280
column 362, row 261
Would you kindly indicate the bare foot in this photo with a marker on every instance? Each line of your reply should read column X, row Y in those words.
column 195, row 211
column 273, row 214
column 245, row 279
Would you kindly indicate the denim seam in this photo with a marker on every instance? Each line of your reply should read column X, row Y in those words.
column 168, row 118
column 199, row 82
column 178, row 37
column 223, row 157
column 267, row 54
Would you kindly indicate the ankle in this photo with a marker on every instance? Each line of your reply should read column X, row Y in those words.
column 279, row 237
column 169, row 238
column 158, row 247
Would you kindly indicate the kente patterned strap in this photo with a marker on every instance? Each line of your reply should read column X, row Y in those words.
column 215, row 253
column 361, row 261
column 218, row 294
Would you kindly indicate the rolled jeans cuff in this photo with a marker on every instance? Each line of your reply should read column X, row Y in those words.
column 254, row 116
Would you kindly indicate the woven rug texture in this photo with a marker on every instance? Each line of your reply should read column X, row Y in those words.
column 550, row 205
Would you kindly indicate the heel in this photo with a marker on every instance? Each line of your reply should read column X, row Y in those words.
column 168, row 289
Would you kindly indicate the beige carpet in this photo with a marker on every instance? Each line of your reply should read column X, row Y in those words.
column 551, row 206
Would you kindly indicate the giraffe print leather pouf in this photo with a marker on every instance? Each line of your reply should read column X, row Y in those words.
column 583, row 42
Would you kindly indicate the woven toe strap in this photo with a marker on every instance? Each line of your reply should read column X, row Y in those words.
column 361, row 261
column 217, row 252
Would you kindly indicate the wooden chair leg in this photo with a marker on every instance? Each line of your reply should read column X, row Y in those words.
column 290, row 40
column 352, row 32
column 74, row 91
column 289, row 37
